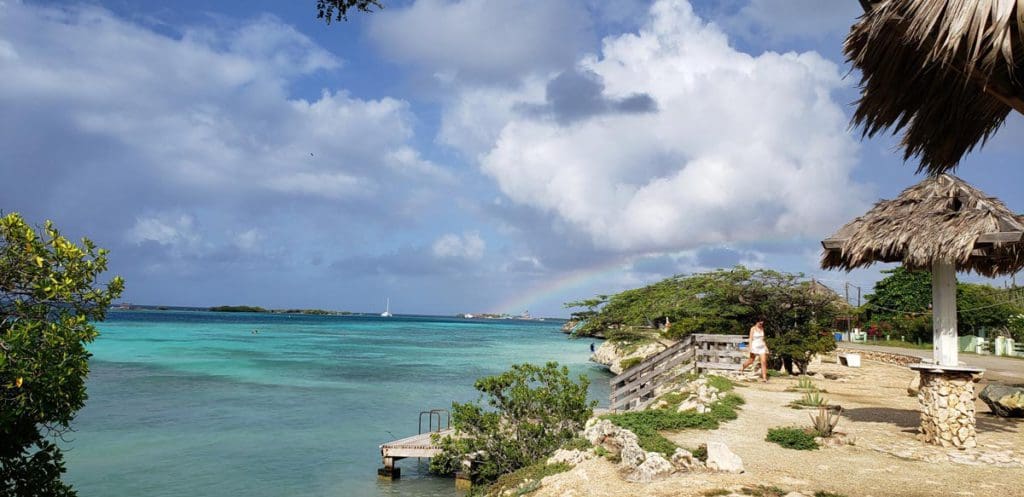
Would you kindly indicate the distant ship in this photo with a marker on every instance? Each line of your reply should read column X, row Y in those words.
column 387, row 309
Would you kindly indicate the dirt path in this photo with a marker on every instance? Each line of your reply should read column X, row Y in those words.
column 886, row 459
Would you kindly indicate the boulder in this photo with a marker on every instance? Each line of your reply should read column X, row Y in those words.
column 914, row 386
column 721, row 459
column 1005, row 401
column 684, row 460
column 571, row 457
column 654, row 467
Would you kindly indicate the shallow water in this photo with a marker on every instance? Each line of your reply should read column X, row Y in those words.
column 194, row 404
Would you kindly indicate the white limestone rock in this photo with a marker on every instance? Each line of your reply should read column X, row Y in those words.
column 570, row 457
column 654, row 467
column 723, row 460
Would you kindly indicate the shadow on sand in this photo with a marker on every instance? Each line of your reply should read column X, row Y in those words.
column 910, row 419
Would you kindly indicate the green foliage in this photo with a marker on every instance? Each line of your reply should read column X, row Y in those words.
column 984, row 306
column 646, row 424
column 530, row 411
column 807, row 384
column 628, row 363
column 792, row 438
column 722, row 301
column 337, row 10
column 811, row 399
column 512, row 484
column 822, row 493
column 578, row 443
column 721, row 383
column 49, row 298
column 901, row 291
column 899, row 306
column 237, row 308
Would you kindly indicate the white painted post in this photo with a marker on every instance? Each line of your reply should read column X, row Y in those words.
column 944, row 313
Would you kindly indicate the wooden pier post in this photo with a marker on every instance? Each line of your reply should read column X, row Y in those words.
column 389, row 471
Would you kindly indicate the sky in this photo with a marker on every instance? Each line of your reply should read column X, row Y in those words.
column 451, row 155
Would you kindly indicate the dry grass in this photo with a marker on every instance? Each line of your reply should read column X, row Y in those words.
column 926, row 66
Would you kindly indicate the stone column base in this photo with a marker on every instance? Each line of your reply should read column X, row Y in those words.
column 947, row 408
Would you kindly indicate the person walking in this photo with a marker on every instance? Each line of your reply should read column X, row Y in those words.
column 757, row 347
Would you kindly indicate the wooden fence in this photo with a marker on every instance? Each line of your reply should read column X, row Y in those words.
column 636, row 387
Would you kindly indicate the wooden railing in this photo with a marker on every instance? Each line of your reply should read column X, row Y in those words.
column 635, row 387
column 719, row 351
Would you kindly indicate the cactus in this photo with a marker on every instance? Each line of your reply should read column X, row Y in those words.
column 825, row 421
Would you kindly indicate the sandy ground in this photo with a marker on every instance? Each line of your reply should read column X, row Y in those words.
column 880, row 417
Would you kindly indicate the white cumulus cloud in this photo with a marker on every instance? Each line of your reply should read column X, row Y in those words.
column 469, row 245
column 737, row 147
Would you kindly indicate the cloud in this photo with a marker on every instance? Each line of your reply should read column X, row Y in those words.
column 468, row 246
column 177, row 231
column 491, row 40
column 111, row 127
column 576, row 95
column 740, row 148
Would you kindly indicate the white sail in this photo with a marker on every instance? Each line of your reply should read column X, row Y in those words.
column 387, row 309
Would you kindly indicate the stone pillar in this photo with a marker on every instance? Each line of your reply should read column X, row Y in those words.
column 944, row 313
column 947, row 408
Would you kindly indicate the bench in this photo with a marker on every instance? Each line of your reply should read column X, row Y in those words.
column 850, row 360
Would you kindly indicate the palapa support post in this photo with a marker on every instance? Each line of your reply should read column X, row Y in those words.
column 944, row 313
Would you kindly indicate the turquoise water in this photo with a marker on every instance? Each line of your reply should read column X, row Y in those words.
column 194, row 404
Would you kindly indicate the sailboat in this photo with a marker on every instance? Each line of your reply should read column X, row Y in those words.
column 387, row 309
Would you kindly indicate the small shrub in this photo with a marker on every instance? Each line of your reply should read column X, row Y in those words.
column 764, row 491
column 722, row 383
column 673, row 399
column 811, row 399
column 701, row 453
column 792, row 438
column 578, row 443
column 822, row 493
column 647, row 424
column 630, row 362
column 534, row 473
column 825, row 421
column 601, row 451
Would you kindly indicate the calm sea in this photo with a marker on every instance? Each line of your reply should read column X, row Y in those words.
column 195, row 404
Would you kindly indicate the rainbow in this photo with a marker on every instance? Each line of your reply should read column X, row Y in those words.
column 559, row 288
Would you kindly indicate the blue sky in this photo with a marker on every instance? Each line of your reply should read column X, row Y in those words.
column 455, row 155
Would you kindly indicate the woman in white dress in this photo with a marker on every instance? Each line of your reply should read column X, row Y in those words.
column 757, row 347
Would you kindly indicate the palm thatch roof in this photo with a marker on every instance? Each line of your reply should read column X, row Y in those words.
column 944, row 72
column 942, row 218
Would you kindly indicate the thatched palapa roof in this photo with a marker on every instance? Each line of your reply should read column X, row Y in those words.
column 942, row 218
column 944, row 72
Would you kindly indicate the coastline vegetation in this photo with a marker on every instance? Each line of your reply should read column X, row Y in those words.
column 798, row 313
column 522, row 417
column 648, row 424
column 50, row 300
column 237, row 308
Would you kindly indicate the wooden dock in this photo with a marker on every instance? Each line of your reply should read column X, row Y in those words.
column 420, row 445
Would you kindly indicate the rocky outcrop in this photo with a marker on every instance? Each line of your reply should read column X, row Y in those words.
column 636, row 464
column 611, row 354
column 1005, row 401
column 721, row 459
column 571, row 457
